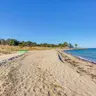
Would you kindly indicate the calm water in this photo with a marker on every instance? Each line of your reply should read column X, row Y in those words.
column 88, row 54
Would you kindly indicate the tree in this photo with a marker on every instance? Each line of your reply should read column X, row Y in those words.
column 22, row 44
column 12, row 42
column 60, row 45
column 76, row 45
column 45, row 45
column 34, row 44
column 70, row 45
column 2, row 42
column 8, row 41
column 65, row 44
column 28, row 43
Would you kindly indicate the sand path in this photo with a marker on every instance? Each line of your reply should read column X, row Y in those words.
column 41, row 73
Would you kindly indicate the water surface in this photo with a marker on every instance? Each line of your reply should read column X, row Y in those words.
column 87, row 54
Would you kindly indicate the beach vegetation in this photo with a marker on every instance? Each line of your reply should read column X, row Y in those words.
column 65, row 44
column 70, row 45
column 76, row 45
column 14, row 42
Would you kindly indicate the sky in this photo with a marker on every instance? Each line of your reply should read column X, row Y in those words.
column 51, row 21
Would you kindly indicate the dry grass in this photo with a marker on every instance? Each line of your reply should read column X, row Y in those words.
column 5, row 49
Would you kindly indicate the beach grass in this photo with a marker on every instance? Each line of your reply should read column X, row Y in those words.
column 6, row 49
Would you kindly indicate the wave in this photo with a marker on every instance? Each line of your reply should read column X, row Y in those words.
column 82, row 58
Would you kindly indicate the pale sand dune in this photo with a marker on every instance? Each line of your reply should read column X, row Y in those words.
column 41, row 73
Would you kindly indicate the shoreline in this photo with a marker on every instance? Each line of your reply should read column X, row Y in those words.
column 82, row 66
column 80, row 57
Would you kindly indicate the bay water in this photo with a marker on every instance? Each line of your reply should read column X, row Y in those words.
column 87, row 54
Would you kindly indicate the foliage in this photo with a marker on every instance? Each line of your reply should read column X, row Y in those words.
column 70, row 45
column 76, row 45
column 65, row 44
column 2, row 42
column 14, row 42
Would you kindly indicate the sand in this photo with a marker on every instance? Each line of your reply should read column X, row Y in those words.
column 47, row 73
column 5, row 57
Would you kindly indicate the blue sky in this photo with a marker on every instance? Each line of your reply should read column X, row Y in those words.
column 51, row 21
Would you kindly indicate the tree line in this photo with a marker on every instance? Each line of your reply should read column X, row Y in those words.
column 14, row 42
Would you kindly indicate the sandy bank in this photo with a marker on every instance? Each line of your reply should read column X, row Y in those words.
column 42, row 73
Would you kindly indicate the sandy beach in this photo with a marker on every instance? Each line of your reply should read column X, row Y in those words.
column 48, row 73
